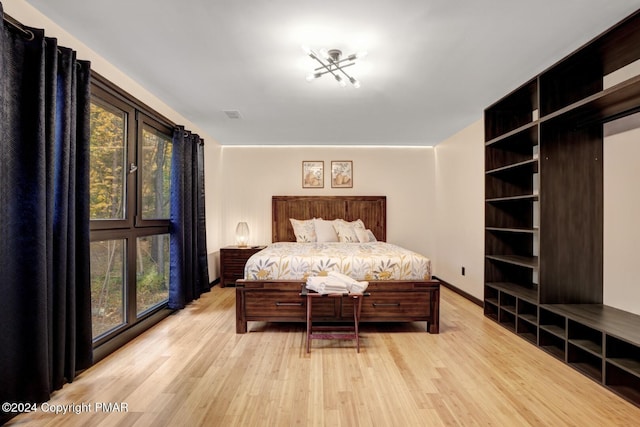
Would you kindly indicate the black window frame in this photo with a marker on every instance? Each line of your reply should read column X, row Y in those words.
column 132, row 226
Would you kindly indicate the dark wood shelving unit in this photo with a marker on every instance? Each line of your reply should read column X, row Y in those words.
column 544, row 210
column 526, row 197
column 518, row 290
column 522, row 261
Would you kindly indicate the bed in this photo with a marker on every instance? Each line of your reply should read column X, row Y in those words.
column 400, row 289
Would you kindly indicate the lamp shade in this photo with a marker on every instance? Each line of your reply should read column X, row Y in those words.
column 242, row 234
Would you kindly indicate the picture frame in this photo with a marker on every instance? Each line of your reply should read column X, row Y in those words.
column 313, row 174
column 342, row 174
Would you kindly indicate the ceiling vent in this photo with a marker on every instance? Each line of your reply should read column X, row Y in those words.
column 233, row 114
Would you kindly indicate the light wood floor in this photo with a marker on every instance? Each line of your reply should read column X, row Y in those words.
column 192, row 369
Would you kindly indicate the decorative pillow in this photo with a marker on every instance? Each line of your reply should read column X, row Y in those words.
column 372, row 237
column 363, row 235
column 304, row 230
column 325, row 232
column 347, row 230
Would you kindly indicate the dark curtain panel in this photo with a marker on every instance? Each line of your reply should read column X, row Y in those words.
column 45, row 303
column 189, row 272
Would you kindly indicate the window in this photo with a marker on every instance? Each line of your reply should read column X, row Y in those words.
column 152, row 272
column 156, row 173
column 108, row 157
column 130, row 176
column 107, row 285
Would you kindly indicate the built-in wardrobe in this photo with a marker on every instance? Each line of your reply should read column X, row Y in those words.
column 544, row 209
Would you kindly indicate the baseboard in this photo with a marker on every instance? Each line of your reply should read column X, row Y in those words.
column 460, row 292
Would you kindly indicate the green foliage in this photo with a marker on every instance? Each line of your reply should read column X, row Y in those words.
column 106, row 175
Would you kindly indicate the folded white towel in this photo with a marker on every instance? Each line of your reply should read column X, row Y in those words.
column 335, row 283
column 353, row 285
column 359, row 287
column 341, row 277
column 326, row 285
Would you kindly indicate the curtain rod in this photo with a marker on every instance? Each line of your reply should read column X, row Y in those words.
column 18, row 26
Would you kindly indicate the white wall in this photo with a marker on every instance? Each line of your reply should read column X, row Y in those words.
column 251, row 175
column 621, row 214
column 460, row 209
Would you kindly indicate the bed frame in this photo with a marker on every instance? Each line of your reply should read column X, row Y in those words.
column 389, row 300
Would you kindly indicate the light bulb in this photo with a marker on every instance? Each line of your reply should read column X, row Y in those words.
column 340, row 81
column 354, row 82
column 311, row 77
column 309, row 52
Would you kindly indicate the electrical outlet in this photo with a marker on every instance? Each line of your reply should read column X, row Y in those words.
column 463, row 270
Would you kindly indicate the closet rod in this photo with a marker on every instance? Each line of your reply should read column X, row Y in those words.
column 18, row 26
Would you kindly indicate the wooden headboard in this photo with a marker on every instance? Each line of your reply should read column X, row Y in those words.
column 372, row 210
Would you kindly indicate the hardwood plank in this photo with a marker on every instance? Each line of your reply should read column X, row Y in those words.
column 193, row 369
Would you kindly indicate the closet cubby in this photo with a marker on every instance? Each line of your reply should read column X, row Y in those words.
column 623, row 384
column 515, row 213
column 544, row 205
column 584, row 361
column 553, row 323
column 511, row 279
column 578, row 78
column 526, row 329
column 552, row 333
column 584, row 350
column 624, row 355
column 507, row 311
column 528, row 311
column 491, row 309
column 512, row 149
column 512, row 112
column 512, row 181
column 552, row 344
column 622, row 368
column 584, row 337
column 507, row 319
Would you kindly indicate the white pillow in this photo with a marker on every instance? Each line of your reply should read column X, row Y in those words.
column 347, row 230
column 304, row 230
column 325, row 232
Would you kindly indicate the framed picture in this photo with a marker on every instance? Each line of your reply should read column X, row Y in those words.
column 341, row 174
column 313, row 174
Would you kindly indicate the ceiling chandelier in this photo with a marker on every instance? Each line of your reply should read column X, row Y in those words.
column 332, row 62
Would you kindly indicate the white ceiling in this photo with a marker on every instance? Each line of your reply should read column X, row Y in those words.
column 433, row 65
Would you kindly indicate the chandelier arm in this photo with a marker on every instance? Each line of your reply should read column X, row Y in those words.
column 340, row 61
column 333, row 65
column 344, row 72
column 321, row 73
column 325, row 66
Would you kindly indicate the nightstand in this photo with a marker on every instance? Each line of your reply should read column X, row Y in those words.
column 232, row 261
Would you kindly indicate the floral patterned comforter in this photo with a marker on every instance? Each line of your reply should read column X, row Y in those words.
column 360, row 261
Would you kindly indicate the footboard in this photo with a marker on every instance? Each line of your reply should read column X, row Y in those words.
column 389, row 301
